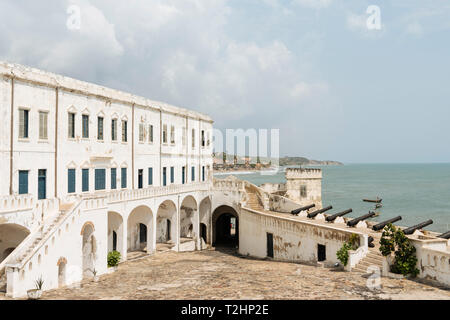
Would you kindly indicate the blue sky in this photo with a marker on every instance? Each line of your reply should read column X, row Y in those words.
column 312, row 68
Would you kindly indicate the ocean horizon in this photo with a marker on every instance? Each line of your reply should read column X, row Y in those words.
column 415, row 191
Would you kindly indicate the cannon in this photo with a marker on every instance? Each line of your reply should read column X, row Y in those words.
column 383, row 224
column 370, row 243
column 355, row 221
column 422, row 225
column 445, row 235
column 340, row 214
column 297, row 211
column 315, row 213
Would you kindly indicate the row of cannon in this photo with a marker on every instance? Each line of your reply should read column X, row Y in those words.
column 355, row 221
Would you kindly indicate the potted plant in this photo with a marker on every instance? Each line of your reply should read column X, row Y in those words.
column 35, row 294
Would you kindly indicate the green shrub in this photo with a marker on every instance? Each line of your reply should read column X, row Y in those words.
column 351, row 244
column 405, row 260
column 113, row 258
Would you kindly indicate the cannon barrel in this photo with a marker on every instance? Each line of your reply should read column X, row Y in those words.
column 340, row 214
column 355, row 221
column 297, row 211
column 370, row 243
column 422, row 225
column 383, row 224
column 445, row 235
column 315, row 213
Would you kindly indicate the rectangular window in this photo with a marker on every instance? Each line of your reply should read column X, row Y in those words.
column 23, row 182
column 172, row 174
column 85, row 180
column 23, row 123
column 303, row 192
column 113, row 178
column 100, row 179
column 172, row 134
column 193, row 174
column 71, row 181
column 203, row 173
column 124, row 178
column 164, row 176
column 71, row 133
column 208, row 142
column 140, row 178
column 165, row 133
column 150, row 133
column 141, row 132
column 193, row 138
column 150, row 176
column 114, row 129
column 85, row 125
column 270, row 245
column 203, row 138
column 183, row 175
column 100, row 128
column 124, row 131
column 43, row 123
column 42, row 184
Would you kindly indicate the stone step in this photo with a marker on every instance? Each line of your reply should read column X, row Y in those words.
column 373, row 260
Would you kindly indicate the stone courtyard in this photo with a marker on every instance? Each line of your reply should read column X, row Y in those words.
column 220, row 274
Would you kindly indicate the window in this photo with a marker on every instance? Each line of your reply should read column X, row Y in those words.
column 141, row 132
column 164, row 176
column 124, row 178
column 165, row 133
column 85, row 180
column 150, row 133
column 42, row 184
column 85, row 125
column 43, row 123
column 71, row 125
column 71, row 181
column 183, row 175
column 113, row 178
column 303, row 192
column 172, row 174
column 203, row 173
column 140, row 178
column 150, row 176
column 124, row 131
column 114, row 129
column 23, row 123
column 23, row 181
column 203, row 138
column 208, row 142
column 172, row 134
column 100, row 128
column 100, row 179
column 193, row 138
column 193, row 174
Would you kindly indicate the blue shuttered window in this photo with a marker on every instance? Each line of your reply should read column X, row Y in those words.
column 71, row 181
column 85, row 180
column 164, row 176
column 150, row 176
column 100, row 179
column 113, row 178
column 172, row 174
column 193, row 174
column 23, row 182
column 42, row 184
column 124, row 178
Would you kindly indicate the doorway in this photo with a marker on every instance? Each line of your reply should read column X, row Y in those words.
column 321, row 252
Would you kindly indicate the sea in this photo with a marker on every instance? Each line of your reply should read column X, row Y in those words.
column 416, row 192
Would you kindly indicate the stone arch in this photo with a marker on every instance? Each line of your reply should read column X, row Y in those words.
column 140, row 229
column 115, row 232
column 166, row 223
column 11, row 235
column 225, row 222
column 62, row 263
column 89, row 249
column 189, row 220
column 205, row 220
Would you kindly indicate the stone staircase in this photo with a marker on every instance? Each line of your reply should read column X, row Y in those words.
column 373, row 258
column 253, row 201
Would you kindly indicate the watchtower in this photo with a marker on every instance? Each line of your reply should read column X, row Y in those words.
column 304, row 186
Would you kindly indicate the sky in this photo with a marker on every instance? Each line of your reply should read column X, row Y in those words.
column 335, row 88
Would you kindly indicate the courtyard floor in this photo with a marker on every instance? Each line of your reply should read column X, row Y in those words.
column 217, row 274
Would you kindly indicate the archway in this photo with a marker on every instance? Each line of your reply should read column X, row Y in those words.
column 225, row 227
column 62, row 262
column 115, row 232
column 166, row 223
column 189, row 223
column 89, row 249
column 140, row 229
column 11, row 235
column 205, row 220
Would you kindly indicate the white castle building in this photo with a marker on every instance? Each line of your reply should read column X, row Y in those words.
column 86, row 170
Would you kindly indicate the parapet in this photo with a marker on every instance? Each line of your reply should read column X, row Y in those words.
column 303, row 173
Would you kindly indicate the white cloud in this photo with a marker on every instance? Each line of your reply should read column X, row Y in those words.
column 315, row 4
